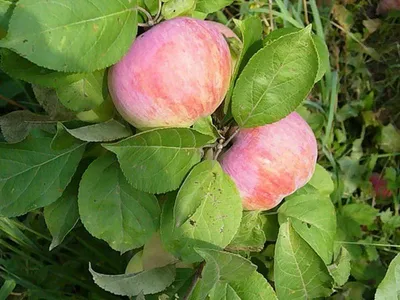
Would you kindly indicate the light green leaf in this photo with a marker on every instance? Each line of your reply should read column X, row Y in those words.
column 390, row 139
column 210, row 6
column 152, row 6
column 207, row 213
column 250, row 236
column 206, row 126
column 230, row 276
column 48, row 99
column 154, row 254
column 85, row 94
column 72, row 37
column 340, row 269
column 313, row 217
column 298, row 271
column 21, row 68
column 32, row 175
column 6, row 9
column 276, row 80
column 7, row 287
column 251, row 30
column 363, row 214
column 323, row 54
column 157, row 161
column 112, row 210
column 175, row 8
column 61, row 216
column 16, row 126
column 389, row 288
column 102, row 132
column 146, row 282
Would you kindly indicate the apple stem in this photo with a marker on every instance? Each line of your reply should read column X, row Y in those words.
column 222, row 143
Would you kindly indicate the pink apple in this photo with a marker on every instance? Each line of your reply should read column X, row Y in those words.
column 271, row 162
column 174, row 74
column 380, row 186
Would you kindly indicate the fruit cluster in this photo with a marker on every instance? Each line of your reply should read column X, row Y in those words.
column 180, row 71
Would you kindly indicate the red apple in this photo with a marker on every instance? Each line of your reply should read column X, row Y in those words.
column 174, row 74
column 380, row 186
column 271, row 162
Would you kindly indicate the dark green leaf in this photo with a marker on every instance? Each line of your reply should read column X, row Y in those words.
column 7, row 287
column 298, row 271
column 83, row 37
column 112, row 210
column 157, row 161
column 62, row 215
column 207, row 212
column 147, row 282
column 32, row 175
column 21, row 68
column 276, row 80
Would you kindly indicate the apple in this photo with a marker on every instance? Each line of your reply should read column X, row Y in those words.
column 380, row 186
column 174, row 74
column 272, row 161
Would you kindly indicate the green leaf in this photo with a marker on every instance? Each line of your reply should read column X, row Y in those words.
column 157, row 161
column 175, row 8
column 152, row 6
column 112, row 210
column 48, row 99
column 340, row 269
column 102, row 132
column 298, row 271
column 154, row 254
column 276, row 80
column 32, row 175
column 21, row 68
column 363, row 214
column 389, row 288
column 8, row 286
column 206, row 126
column 250, row 236
column 17, row 125
column 6, row 10
column 84, row 37
column 230, row 276
column 207, row 213
column 210, row 6
column 313, row 217
column 251, row 29
column 146, row 282
column 85, row 94
column 61, row 216
column 323, row 54
column 390, row 139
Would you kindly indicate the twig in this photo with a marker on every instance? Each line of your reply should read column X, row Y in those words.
column 12, row 102
column 306, row 12
column 223, row 143
column 196, row 278
column 150, row 21
column 271, row 20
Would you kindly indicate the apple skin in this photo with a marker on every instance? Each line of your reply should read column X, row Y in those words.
column 173, row 74
column 380, row 186
column 272, row 161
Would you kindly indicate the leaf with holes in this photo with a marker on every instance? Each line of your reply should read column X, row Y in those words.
column 313, row 217
column 276, row 80
column 299, row 272
column 71, row 36
column 112, row 210
column 157, row 161
column 207, row 212
column 32, row 175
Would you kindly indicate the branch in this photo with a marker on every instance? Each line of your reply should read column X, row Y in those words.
column 196, row 278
